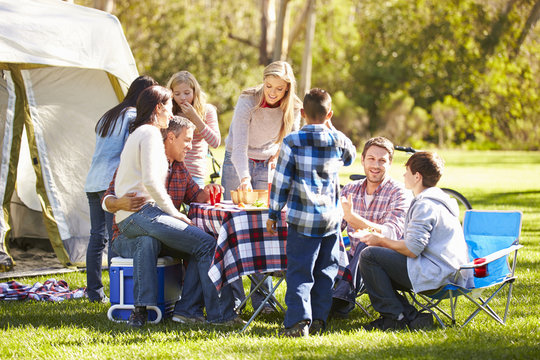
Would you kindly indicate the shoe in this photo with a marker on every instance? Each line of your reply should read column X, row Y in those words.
column 423, row 320
column 236, row 321
column 188, row 320
column 267, row 310
column 102, row 300
column 138, row 317
column 317, row 327
column 300, row 329
column 386, row 323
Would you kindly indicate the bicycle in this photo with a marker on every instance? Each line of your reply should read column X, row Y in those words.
column 216, row 168
column 462, row 200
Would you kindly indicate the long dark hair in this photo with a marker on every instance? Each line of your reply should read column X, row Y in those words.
column 108, row 121
column 146, row 104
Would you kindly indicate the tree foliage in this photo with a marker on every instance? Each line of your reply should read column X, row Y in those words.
column 451, row 73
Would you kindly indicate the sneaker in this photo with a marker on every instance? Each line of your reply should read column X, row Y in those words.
column 138, row 317
column 423, row 320
column 188, row 320
column 317, row 327
column 386, row 323
column 236, row 321
column 300, row 329
column 267, row 310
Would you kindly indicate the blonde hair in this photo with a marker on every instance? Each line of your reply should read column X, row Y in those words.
column 290, row 101
column 199, row 97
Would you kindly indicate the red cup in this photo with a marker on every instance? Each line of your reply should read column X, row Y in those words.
column 217, row 197
column 212, row 197
column 480, row 271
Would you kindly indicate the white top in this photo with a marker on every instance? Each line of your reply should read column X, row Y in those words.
column 143, row 169
column 253, row 134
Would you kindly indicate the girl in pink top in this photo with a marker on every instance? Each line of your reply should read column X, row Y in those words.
column 190, row 102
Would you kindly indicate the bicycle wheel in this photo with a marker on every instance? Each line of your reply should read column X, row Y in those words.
column 462, row 201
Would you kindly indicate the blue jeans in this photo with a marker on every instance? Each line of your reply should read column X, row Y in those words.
column 230, row 181
column 312, row 266
column 145, row 251
column 384, row 272
column 177, row 235
column 100, row 234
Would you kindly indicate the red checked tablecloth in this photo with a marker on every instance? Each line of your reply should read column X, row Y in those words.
column 243, row 245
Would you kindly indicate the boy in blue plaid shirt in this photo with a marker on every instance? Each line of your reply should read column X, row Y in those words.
column 306, row 180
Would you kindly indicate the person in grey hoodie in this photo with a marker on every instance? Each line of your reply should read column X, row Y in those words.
column 429, row 256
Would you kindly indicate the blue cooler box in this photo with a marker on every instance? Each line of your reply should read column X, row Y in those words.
column 121, row 288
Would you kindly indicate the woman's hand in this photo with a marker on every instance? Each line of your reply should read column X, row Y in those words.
column 245, row 184
column 188, row 110
column 184, row 218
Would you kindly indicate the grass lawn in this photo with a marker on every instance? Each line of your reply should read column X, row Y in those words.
column 490, row 180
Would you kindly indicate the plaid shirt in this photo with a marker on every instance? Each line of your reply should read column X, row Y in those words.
column 388, row 207
column 180, row 187
column 307, row 181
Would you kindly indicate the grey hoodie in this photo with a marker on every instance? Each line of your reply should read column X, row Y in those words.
column 434, row 234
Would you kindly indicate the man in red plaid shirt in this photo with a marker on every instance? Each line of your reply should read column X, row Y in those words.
column 378, row 203
column 182, row 189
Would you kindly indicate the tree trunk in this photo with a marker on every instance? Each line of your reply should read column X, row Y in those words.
column 105, row 5
column 534, row 15
column 305, row 76
column 497, row 30
column 281, row 30
column 268, row 30
column 299, row 23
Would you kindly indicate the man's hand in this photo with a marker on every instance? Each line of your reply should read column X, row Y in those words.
column 271, row 226
column 128, row 202
column 210, row 189
column 347, row 205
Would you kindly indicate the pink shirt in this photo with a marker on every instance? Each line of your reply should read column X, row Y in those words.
column 196, row 161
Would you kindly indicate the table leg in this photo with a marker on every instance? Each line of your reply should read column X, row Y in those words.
column 269, row 295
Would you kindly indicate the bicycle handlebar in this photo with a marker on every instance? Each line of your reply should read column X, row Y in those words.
column 405, row 149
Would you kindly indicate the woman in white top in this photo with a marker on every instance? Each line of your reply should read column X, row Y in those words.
column 190, row 101
column 143, row 170
column 263, row 116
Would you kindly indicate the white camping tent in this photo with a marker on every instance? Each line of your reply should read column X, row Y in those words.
column 61, row 67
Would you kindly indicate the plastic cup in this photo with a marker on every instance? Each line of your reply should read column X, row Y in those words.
column 480, row 271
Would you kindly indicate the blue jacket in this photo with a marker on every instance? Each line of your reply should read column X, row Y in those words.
column 107, row 154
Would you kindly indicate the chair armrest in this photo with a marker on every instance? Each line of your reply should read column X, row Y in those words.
column 492, row 257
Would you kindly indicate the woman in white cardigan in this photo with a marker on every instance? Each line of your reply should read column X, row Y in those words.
column 143, row 169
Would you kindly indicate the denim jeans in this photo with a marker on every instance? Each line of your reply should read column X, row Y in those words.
column 145, row 251
column 384, row 272
column 100, row 233
column 230, row 181
column 176, row 234
column 312, row 266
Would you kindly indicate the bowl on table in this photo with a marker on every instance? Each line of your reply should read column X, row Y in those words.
column 235, row 197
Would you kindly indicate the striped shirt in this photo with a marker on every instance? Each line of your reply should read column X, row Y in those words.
column 306, row 179
column 388, row 207
column 196, row 158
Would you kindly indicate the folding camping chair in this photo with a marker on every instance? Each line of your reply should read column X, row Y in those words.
column 491, row 236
